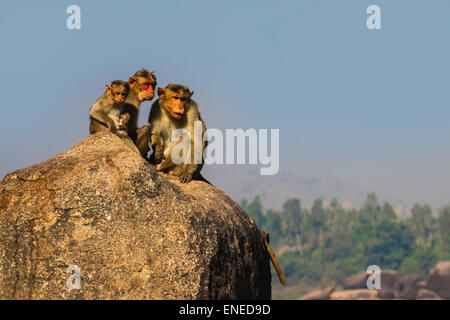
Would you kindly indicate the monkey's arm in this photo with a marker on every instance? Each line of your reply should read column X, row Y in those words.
column 192, row 170
column 132, row 122
column 158, row 147
column 99, row 115
column 156, row 141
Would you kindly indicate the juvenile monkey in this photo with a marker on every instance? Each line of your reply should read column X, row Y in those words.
column 105, row 114
column 175, row 110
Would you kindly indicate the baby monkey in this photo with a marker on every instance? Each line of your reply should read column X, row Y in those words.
column 106, row 113
column 123, row 124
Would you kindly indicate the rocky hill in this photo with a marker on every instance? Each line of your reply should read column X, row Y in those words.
column 131, row 233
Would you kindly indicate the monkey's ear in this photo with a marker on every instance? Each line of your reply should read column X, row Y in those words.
column 131, row 82
column 160, row 91
column 108, row 89
column 192, row 92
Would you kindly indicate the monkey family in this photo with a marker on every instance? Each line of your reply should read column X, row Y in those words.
column 117, row 110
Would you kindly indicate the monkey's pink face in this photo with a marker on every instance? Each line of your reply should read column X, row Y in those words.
column 147, row 91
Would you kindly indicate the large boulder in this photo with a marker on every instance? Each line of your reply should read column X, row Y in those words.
column 356, row 281
column 356, row 294
column 439, row 279
column 389, row 278
column 425, row 294
column 408, row 286
column 132, row 233
column 387, row 293
column 359, row 280
column 320, row 294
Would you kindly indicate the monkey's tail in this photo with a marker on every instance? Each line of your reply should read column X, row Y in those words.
column 275, row 263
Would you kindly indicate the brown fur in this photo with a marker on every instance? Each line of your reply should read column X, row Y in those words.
column 163, row 122
column 141, row 136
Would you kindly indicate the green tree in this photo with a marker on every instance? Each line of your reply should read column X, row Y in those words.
column 444, row 227
column 421, row 223
column 371, row 209
column 334, row 204
column 420, row 261
column 392, row 241
column 255, row 210
column 340, row 235
column 273, row 226
column 318, row 220
column 387, row 212
column 243, row 203
column 292, row 219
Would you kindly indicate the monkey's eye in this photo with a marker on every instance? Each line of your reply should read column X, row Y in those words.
column 183, row 99
column 176, row 98
column 147, row 84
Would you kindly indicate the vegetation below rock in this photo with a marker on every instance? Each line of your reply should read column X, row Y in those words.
column 322, row 244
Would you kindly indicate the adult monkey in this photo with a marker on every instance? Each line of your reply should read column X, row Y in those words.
column 176, row 110
column 142, row 88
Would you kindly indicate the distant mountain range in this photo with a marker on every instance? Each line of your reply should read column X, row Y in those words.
column 243, row 181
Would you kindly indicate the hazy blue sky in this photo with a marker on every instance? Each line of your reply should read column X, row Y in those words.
column 368, row 106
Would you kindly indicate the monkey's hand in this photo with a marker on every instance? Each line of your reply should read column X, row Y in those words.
column 159, row 154
column 185, row 178
column 112, row 127
column 124, row 120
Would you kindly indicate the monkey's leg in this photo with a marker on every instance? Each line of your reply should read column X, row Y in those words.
column 192, row 171
column 188, row 172
column 96, row 126
column 165, row 165
column 143, row 139
column 185, row 172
